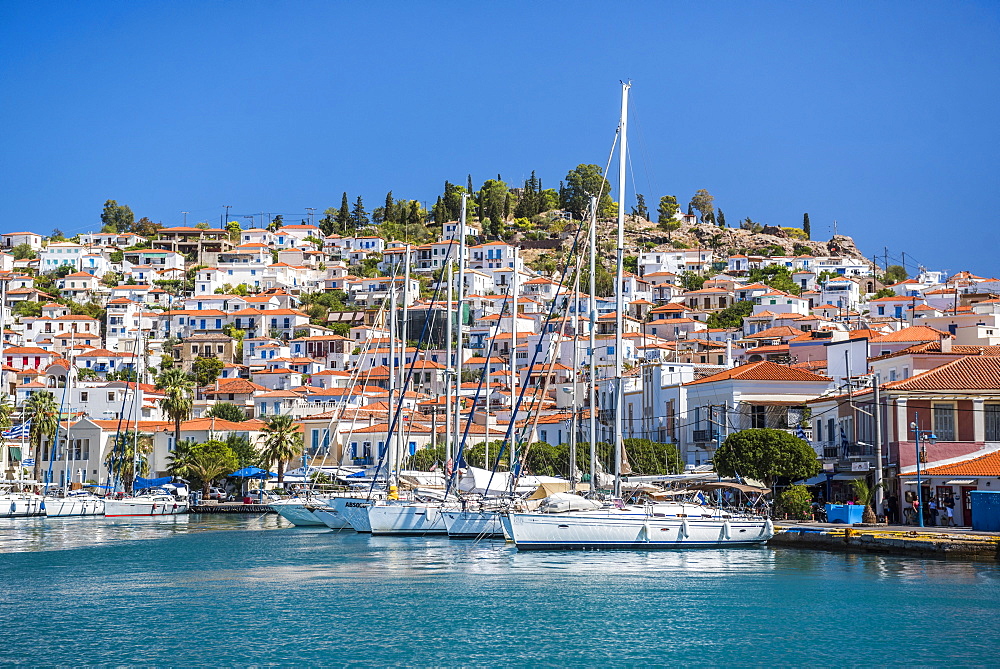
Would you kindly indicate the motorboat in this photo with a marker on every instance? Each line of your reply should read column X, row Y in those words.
column 150, row 503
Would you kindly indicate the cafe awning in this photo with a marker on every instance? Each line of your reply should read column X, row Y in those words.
column 961, row 482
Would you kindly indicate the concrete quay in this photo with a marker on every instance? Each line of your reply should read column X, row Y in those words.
column 938, row 542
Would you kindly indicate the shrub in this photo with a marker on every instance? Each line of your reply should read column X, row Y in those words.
column 795, row 501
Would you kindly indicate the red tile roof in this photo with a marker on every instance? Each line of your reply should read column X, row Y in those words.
column 966, row 373
column 984, row 465
column 761, row 371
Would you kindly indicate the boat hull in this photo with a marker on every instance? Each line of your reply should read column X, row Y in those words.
column 295, row 512
column 609, row 530
column 473, row 524
column 144, row 507
column 332, row 519
column 58, row 507
column 21, row 505
column 355, row 511
column 402, row 519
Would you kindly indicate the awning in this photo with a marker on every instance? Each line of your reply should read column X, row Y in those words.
column 961, row 482
column 849, row 476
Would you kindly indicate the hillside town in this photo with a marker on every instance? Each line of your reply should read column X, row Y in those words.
column 358, row 336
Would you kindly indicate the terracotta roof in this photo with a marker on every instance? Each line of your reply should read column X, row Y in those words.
column 984, row 465
column 762, row 371
column 966, row 373
column 237, row 386
column 779, row 331
column 915, row 333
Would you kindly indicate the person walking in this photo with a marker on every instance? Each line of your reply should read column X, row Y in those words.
column 949, row 511
column 932, row 508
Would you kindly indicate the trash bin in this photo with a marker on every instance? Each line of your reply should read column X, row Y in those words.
column 247, row 500
column 845, row 513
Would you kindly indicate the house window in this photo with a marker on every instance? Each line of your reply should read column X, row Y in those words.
column 992, row 422
column 758, row 416
column 111, row 397
column 944, row 422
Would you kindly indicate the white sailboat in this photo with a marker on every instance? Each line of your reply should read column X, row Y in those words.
column 74, row 503
column 566, row 521
column 17, row 500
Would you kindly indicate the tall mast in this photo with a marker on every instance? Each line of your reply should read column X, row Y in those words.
column 400, row 383
column 592, row 307
column 450, row 371
column 619, row 297
column 389, row 455
column 513, row 338
column 576, row 378
column 460, row 306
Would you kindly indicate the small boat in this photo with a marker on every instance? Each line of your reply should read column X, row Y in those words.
column 17, row 501
column 77, row 503
column 418, row 518
column 566, row 521
column 298, row 511
column 481, row 524
column 355, row 511
column 328, row 516
column 152, row 503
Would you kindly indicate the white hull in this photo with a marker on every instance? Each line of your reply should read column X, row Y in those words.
column 64, row 507
column 332, row 519
column 21, row 505
column 295, row 512
column 473, row 524
column 355, row 511
column 144, row 506
column 632, row 529
column 407, row 519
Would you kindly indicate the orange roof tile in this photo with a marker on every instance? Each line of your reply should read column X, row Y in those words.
column 761, row 371
column 966, row 373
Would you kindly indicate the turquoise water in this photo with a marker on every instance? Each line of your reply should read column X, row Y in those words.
column 232, row 591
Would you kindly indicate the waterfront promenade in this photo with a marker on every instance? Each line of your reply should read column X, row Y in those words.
column 944, row 542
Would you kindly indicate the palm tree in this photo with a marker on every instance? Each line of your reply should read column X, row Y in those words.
column 179, row 388
column 126, row 453
column 44, row 414
column 281, row 442
column 866, row 495
column 208, row 461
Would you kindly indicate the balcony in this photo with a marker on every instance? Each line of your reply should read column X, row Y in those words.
column 704, row 435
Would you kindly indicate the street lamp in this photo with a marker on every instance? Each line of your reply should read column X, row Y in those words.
column 929, row 436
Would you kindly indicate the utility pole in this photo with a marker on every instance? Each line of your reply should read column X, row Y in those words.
column 310, row 211
column 885, row 262
column 185, row 218
column 225, row 218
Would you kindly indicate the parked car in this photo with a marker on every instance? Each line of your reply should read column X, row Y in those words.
column 217, row 494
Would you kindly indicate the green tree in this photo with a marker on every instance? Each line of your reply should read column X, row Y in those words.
column 277, row 222
column 128, row 451
column 776, row 276
column 234, row 230
column 40, row 408
column 328, row 224
column 209, row 461
column 281, row 441
column 865, row 494
column 796, row 502
column 117, row 218
column 359, row 217
column 246, row 453
column 425, row 458
column 227, row 411
column 640, row 209
column 343, row 214
column 206, row 370
column 722, row 219
column 23, row 251
column 751, row 225
column 730, row 317
column 28, row 309
column 127, row 375
column 767, row 455
column 178, row 401
column 584, row 182
column 806, row 227
column 665, row 214
column 894, row 274
column 692, row 281
column 491, row 198
column 703, row 202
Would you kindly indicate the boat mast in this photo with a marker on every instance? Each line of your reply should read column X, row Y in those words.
column 450, row 371
column 619, row 297
column 513, row 338
column 389, row 456
column 460, row 306
column 592, row 388
column 576, row 380
column 400, row 439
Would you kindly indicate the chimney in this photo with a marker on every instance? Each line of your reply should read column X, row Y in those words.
column 946, row 343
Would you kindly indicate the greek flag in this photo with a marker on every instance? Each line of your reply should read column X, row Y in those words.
column 845, row 446
column 18, row 431
column 800, row 433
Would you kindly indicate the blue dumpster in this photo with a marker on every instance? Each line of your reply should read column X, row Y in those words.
column 844, row 513
column 985, row 510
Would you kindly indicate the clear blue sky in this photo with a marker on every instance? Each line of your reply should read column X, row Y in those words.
column 883, row 116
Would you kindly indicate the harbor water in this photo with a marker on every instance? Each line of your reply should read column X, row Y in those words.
column 216, row 590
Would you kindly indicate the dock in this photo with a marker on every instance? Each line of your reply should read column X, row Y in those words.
column 231, row 507
column 938, row 542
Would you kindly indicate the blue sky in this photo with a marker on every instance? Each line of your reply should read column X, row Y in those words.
column 882, row 116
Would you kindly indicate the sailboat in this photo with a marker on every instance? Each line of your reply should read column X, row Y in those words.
column 566, row 521
column 18, row 500
column 156, row 497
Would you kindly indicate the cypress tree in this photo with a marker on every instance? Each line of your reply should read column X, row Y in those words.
column 343, row 214
column 806, row 228
column 722, row 219
column 359, row 217
column 387, row 212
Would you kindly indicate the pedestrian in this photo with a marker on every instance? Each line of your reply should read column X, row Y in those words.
column 932, row 510
column 949, row 511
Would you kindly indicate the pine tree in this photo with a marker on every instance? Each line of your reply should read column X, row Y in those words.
column 640, row 208
column 806, row 228
column 690, row 210
column 359, row 217
column 343, row 214
column 439, row 211
column 416, row 216
column 722, row 219
column 387, row 213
